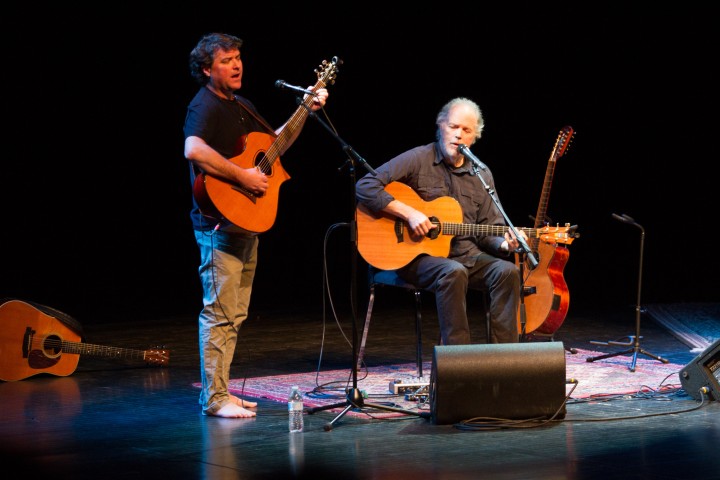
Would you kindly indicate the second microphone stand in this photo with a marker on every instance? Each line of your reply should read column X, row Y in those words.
column 354, row 398
column 633, row 340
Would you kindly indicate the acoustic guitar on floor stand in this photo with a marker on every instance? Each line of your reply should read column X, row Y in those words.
column 546, row 297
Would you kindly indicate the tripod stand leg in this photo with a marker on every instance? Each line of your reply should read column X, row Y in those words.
column 355, row 401
column 640, row 350
column 328, row 426
column 608, row 355
column 635, row 350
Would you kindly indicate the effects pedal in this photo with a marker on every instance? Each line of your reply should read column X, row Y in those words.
column 397, row 387
column 419, row 395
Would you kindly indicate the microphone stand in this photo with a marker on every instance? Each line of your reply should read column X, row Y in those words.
column 477, row 166
column 523, row 251
column 354, row 398
column 633, row 340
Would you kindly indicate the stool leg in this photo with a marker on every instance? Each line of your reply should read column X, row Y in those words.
column 488, row 323
column 418, row 332
column 361, row 351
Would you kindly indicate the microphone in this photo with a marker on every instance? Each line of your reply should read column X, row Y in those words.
column 623, row 218
column 468, row 154
column 286, row 86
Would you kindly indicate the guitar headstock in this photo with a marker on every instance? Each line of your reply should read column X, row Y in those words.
column 563, row 141
column 558, row 234
column 327, row 71
column 157, row 357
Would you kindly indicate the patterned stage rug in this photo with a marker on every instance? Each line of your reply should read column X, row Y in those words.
column 599, row 379
column 697, row 325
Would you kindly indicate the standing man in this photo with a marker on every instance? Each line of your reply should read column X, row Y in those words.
column 216, row 127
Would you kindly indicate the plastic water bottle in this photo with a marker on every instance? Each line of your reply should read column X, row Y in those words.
column 295, row 410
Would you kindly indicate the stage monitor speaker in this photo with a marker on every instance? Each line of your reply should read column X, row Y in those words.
column 515, row 381
column 703, row 373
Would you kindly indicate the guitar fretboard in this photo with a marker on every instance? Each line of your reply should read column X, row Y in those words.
column 99, row 350
column 496, row 230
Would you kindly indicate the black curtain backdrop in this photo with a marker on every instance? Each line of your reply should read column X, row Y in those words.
column 96, row 191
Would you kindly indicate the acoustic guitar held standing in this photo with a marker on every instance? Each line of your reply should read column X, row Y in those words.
column 33, row 342
column 256, row 213
column 546, row 308
column 385, row 242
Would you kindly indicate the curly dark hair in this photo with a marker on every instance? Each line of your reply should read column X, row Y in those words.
column 204, row 52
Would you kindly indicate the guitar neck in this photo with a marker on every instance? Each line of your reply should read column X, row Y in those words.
column 102, row 351
column 295, row 122
column 561, row 144
column 545, row 195
column 448, row 228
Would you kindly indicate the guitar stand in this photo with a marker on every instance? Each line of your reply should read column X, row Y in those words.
column 353, row 399
column 633, row 340
column 523, row 292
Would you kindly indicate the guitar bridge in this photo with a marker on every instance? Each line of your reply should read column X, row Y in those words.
column 251, row 196
column 399, row 229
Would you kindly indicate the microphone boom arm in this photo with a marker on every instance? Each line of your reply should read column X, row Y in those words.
column 282, row 85
column 481, row 166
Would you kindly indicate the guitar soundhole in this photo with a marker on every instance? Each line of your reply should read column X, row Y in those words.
column 48, row 356
column 263, row 166
column 433, row 234
column 51, row 346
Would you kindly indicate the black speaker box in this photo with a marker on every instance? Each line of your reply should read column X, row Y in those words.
column 703, row 372
column 514, row 381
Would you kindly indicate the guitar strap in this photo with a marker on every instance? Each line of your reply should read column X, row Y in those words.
column 241, row 101
column 245, row 106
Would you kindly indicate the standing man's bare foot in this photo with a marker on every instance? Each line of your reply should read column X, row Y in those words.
column 233, row 410
column 243, row 403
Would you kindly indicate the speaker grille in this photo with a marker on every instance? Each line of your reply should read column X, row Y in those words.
column 505, row 381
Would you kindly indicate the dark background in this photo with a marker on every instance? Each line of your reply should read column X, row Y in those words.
column 96, row 192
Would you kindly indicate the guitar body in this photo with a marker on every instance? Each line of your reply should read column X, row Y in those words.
column 386, row 243
column 30, row 343
column 545, row 310
column 220, row 199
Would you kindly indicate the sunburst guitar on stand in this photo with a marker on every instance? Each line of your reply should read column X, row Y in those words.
column 34, row 342
column 548, row 304
column 220, row 199
column 385, row 242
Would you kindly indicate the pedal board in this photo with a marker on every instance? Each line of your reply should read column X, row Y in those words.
column 397, row 387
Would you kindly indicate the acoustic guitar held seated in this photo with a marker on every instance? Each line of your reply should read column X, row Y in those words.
column 385, row 241
column 33, row 342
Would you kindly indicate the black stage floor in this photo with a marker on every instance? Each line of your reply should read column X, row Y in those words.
column 121, row 419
